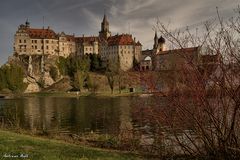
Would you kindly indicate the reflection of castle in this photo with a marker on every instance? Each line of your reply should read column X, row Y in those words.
column 122, row 48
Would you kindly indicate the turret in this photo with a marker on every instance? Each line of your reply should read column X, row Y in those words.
column 155, row 41
column 161, row 44
column 27, row 24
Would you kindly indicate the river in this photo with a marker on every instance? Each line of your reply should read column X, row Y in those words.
column 74, row 115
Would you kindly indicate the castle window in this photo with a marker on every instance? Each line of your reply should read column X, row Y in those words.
column 20, row 41
column 24, row 40
column 46, row 41
column 35, row 41
column 47, row 47
column 35, row 47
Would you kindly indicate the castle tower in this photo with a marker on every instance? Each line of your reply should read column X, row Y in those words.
column 155, row 41
column 27, row 24
column 104, row 33
column 161, row 44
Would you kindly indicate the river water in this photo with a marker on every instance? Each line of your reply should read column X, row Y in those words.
column 64, row 114
column 121, row 116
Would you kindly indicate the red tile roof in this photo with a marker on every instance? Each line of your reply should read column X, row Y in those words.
column 41, row 33
column 70, row 38
column 124, row 39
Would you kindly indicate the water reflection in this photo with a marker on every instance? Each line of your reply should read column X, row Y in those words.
column 85, row 114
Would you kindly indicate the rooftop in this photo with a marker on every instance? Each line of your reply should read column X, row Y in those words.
column 41, row 33
column 123, row 39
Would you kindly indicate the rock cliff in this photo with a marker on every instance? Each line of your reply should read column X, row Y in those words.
column 37, row 71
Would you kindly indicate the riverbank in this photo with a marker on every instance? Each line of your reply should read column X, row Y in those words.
column 19, row 146
column 78, row 94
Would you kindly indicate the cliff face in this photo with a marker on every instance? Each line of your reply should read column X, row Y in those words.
column 37, row 70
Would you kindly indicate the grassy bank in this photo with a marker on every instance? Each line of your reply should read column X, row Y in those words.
column 27, row 147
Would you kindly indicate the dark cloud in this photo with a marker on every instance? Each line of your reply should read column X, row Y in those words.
column 84, row 17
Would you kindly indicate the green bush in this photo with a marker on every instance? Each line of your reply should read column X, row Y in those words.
column 70, row 65
column 11, row 77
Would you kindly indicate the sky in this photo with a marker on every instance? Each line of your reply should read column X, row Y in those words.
column 125, row 16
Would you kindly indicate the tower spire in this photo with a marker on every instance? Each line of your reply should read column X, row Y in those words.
column 27, row 23
column 155, row 40
column 105, row 17
column 105, row 33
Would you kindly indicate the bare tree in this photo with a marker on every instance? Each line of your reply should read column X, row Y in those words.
column 201, row 115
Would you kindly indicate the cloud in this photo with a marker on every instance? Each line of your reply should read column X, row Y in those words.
column 84, row 17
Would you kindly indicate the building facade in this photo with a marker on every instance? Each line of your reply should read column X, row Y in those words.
column 121, row 49
column 118, row 48
column 87, row 45
column 33, row 41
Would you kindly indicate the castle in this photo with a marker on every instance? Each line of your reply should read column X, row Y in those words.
column 121, row 48
column 161, row 59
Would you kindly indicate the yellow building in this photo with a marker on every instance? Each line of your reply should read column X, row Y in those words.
column 122, row 48
column 35, row 41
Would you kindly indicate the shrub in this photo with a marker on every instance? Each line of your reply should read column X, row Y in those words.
column 11, row 77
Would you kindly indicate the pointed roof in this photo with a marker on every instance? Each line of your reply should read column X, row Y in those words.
column 105, row 21
column 104, row 17
column 161, row 40
column 155, row 35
